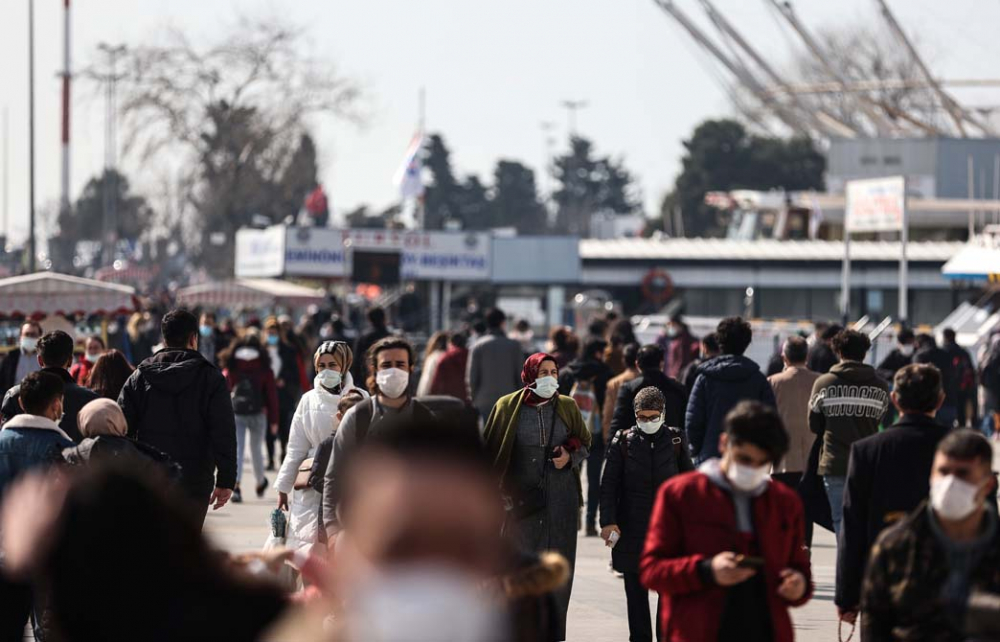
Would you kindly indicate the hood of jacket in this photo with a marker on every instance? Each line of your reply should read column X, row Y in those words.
column 584, row 369
column 34, row 422
column 854, row 372
column 174, row 369
column 729, row 367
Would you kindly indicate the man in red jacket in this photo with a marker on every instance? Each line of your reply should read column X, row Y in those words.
column 725, row 547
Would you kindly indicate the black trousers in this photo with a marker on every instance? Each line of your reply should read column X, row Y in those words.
column 15, row 609
column 594, row 462
column 792, row 481
column 637, row 601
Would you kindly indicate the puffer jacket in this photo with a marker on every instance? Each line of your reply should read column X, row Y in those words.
column 636, row 465
column 108, row 448
column 846, row 405
column 75, row 397
column 315, row 419
column 722, row 383
column 178, row 402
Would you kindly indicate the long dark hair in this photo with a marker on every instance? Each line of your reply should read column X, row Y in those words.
column 109, row 374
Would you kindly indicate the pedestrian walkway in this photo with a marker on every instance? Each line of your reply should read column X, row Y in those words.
column 597, row 610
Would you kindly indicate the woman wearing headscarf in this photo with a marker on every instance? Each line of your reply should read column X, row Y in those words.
column 537, row 440
column 103, row 426
column 314, row 420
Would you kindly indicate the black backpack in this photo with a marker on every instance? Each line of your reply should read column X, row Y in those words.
column 246, row 397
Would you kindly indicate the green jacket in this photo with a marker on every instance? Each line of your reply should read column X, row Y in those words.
column 501, row 427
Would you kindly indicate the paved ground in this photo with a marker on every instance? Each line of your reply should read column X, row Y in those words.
column 597, row 610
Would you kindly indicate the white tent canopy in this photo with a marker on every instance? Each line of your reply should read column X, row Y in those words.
column 258, row 293
column 49, row 293
column 974, row 262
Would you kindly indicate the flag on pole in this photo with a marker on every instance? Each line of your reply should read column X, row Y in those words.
column 408, row 178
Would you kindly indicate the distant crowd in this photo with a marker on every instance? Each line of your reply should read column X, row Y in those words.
column 442, row 497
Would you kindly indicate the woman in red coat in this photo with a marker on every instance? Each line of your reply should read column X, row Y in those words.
column 725, row 547
column 449, row 376
column 93, row 348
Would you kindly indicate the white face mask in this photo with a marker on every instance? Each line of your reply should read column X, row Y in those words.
column 649, row 427
column 392, row 382
column 246, row 353
column 545, row 387
column 93, row 356
column 423, row 602
column 746, row 478
column 29, row 344
column 906, row 350
column 327, row 378
column 953, row 499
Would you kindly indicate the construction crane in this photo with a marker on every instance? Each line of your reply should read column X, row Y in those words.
column 822, row 121
column 958, row 114
column 882, row 125
column 735, row 67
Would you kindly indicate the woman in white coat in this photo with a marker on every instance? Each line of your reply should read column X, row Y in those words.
column 315, row 419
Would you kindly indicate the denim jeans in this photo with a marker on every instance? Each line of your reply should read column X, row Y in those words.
column 835, row 493
column 257, row 426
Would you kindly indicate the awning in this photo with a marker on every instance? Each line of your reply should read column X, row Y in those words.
column 46, row 293
column 974, row 262
column 259, row 293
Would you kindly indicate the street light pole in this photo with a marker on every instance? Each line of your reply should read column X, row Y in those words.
column 31, row 136
column 572, row 106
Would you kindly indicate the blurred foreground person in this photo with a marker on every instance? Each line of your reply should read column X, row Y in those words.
column 55, row 354
column 31, row 440
column 178, row 402
column 888, row 477
column 122, row 560
column 247, row 369
column 639, row 460
column 391, row 364
column 316, row 419
column 109, row 374
column 725, row 547
column 537, row 441
column 103, row 427
column 421, row 556
column 923, row 569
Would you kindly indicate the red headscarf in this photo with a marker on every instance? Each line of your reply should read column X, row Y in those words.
column 529, row 374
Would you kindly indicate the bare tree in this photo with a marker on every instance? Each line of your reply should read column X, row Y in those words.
column 235, row 110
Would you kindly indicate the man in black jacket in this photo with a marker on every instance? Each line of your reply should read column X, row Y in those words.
column 589, row 369
column 929, row 352
column 640, row 458
column 178, row 402
column 887, row 477
column 650, row 362
column 21, row 361
column 821, row 355
column 378, row 331
column 55, row 355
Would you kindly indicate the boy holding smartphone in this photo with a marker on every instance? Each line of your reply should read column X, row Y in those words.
column 725, row 548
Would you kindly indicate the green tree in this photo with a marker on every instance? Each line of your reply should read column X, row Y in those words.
column 588, row 185
column 86, row 220
column 472, row 206
column 721, row 156
column 515, row 200
column 442, row 194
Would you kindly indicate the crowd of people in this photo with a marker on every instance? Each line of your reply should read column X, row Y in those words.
column 442, row 497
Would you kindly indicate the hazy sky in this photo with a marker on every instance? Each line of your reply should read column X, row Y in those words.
column 493, row 72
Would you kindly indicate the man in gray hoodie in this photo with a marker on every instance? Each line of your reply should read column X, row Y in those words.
column 846, row 405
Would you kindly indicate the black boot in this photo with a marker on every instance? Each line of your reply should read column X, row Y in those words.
column 237, row 496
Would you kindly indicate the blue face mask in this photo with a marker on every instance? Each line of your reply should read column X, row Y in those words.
column 205, row 330
column 272, row 339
